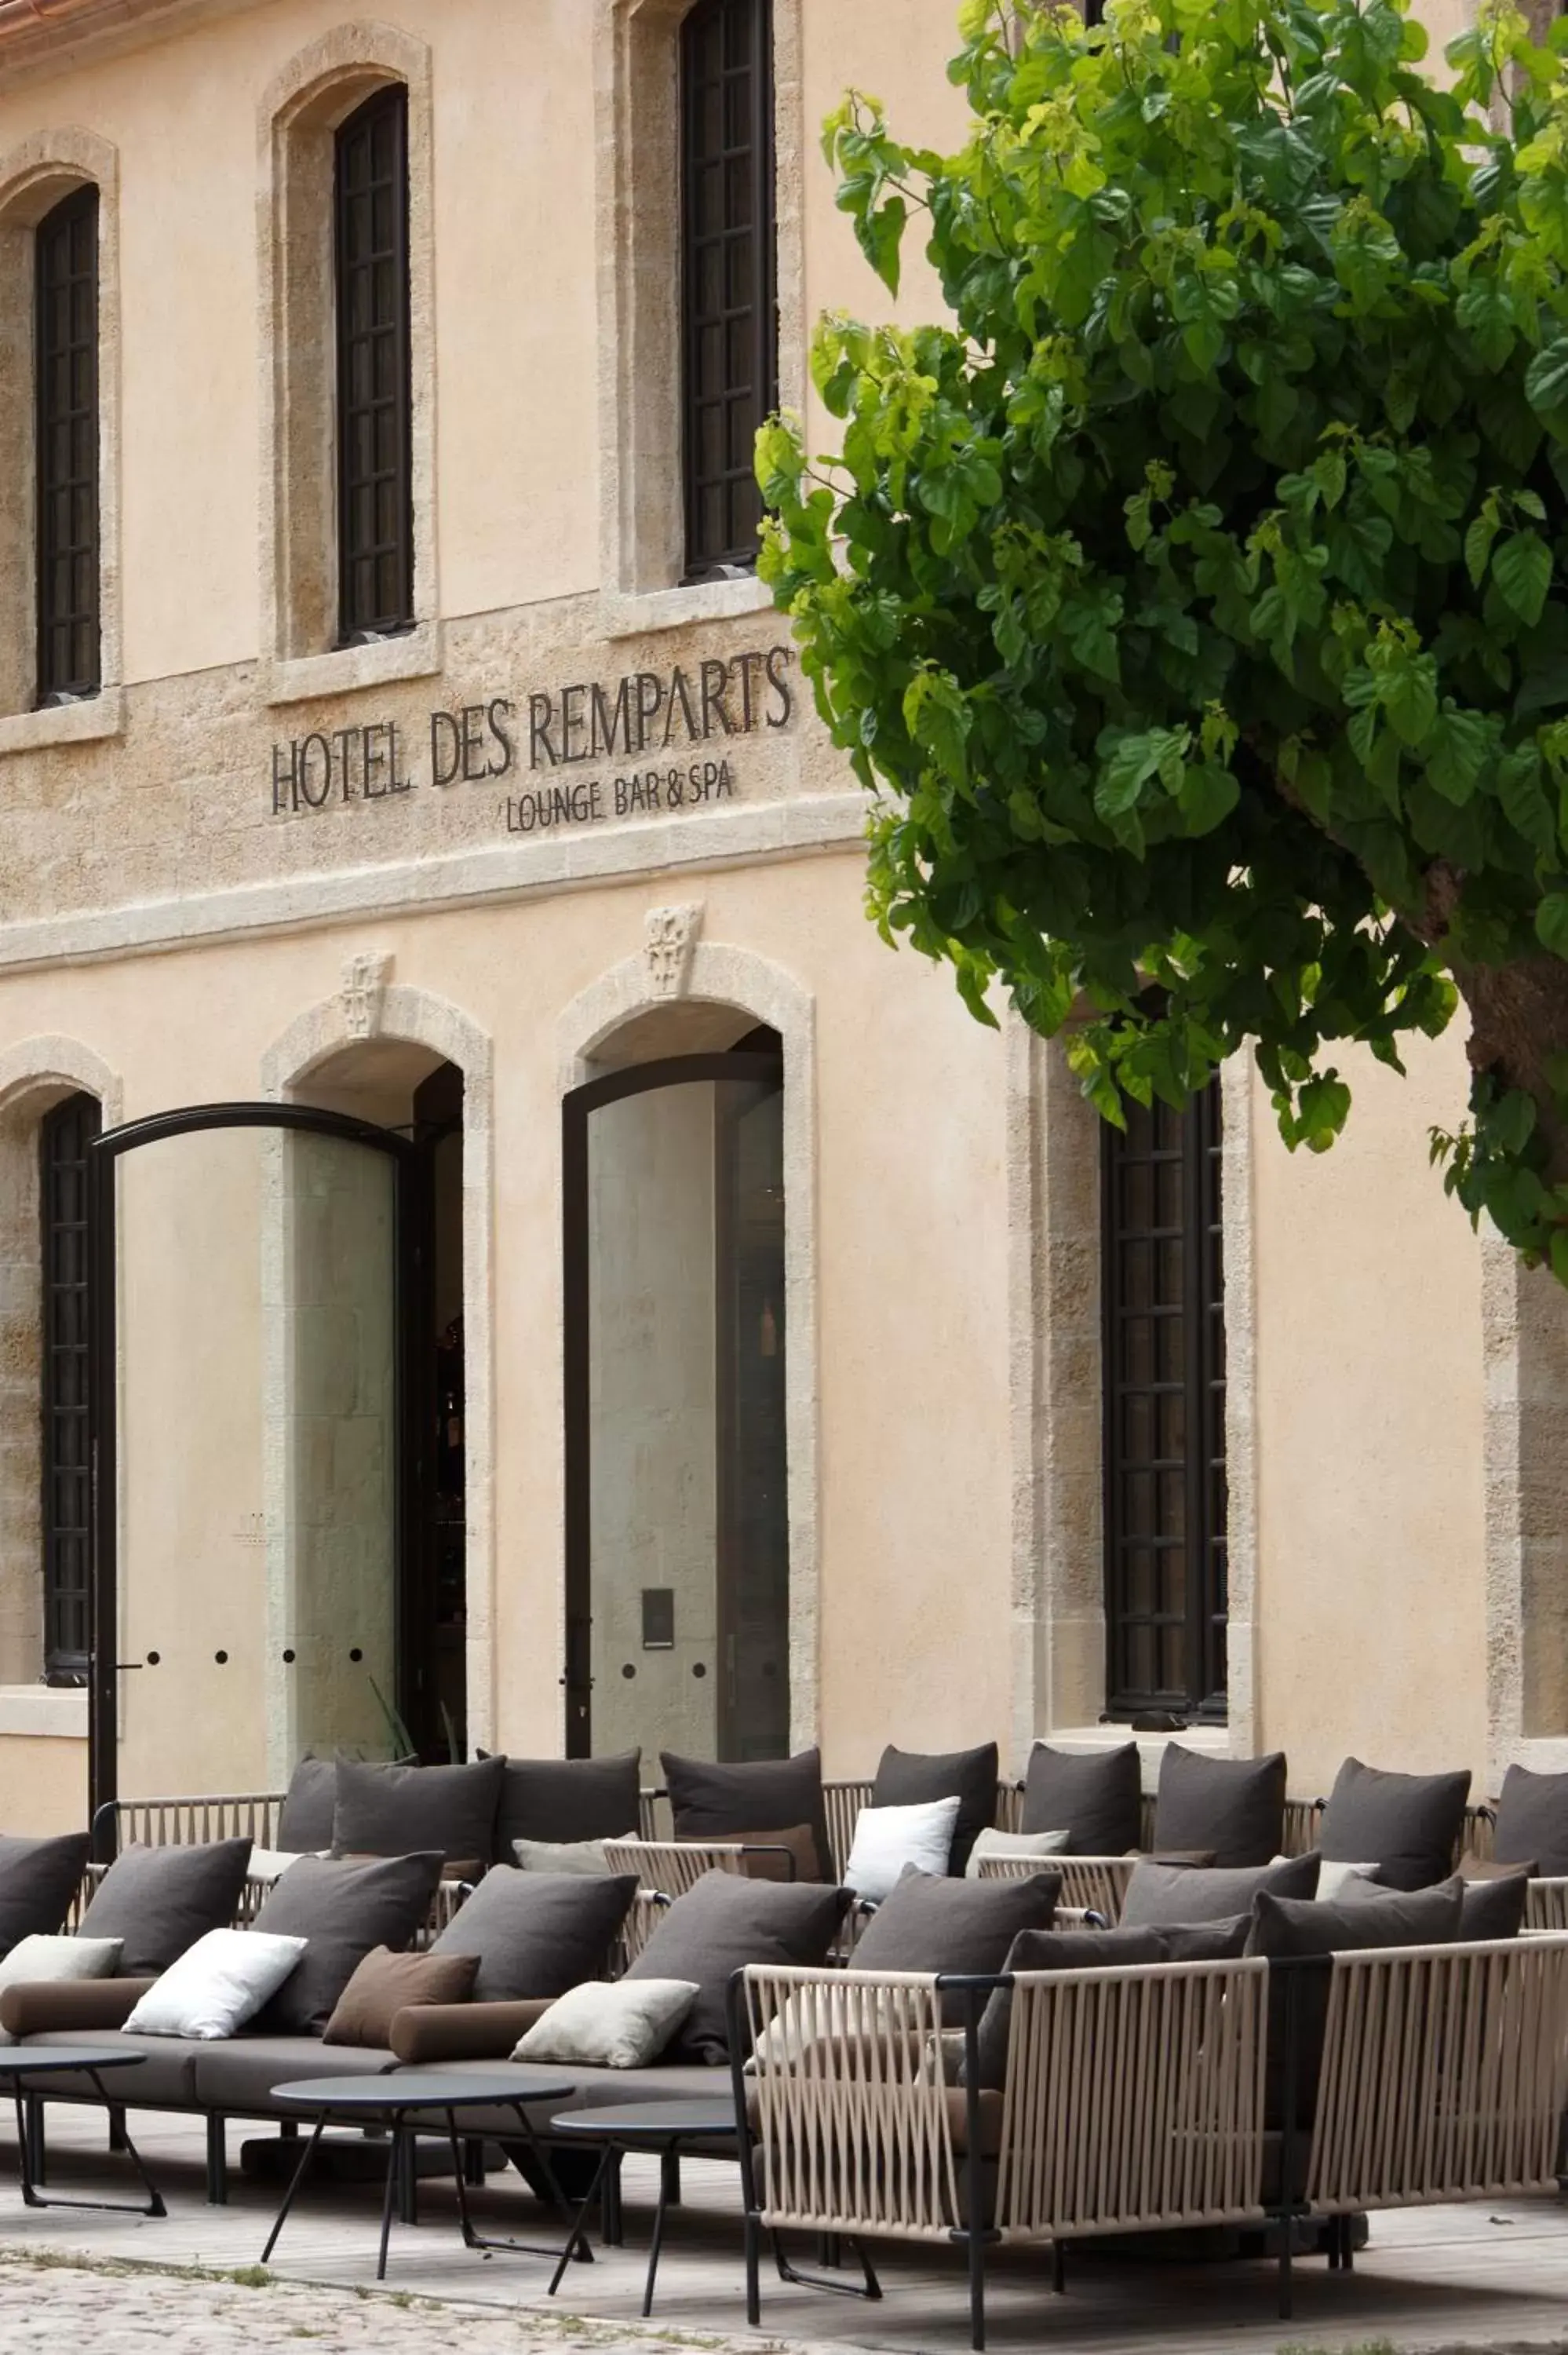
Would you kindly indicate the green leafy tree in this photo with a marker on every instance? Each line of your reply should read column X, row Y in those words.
column 1195, row 599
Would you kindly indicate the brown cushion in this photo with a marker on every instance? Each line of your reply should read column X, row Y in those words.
column 800, row 1863
column 431, row 2032
column 712, row 1801
column 385, row 1984
column 34, row 2008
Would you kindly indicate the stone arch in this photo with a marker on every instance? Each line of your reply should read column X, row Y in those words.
column 34, row 177
column 369, row 1008
column 675, row 966
column 34, row 1075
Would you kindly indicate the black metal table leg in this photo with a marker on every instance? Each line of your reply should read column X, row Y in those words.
column 297, row 2177
column 576, row 2234
column 389, row 2193
column 668, row 2176
column 473, row 2239
column 26, row 2147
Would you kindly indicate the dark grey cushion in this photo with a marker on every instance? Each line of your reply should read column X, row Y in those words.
column 1492, row 1908
column 927, row 1923
column 1233, row 1807
column 1407, row 1824
column 1057, row 1950
column 404, row 1810
column 709, row 1801
column 38, row 1878
column 305, row 1823
column 1095, row 1794
column 342, row 1906
column 909, row 1778
column 563, row 1799
column 537, row 1932
column 161, row 1900
column 725, row 1921
column 238, row 2072
column 1302, row 1932
column 1162, row 1894
column 164, row 2080
column 1532, row 1822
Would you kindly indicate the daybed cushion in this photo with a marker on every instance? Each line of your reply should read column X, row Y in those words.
column 1408, row 1824
column 727, row 1920
column 661, row 2081
column 429, row 2035
column 398, row 1810
column 240, row 2074
column 165, row 2080
column 160, row 1901
column 1532, row 1822
column 1095, row 1794
column 933, row 1924
column 907, row 1777
column 342, row 1907
column 385, row 1984
column 1234, row 1806
column 537, row 1932
column 304, row 1824
column 38, row 1878
column 709, row 1801
column 1158, row 1894
column 568, row 1799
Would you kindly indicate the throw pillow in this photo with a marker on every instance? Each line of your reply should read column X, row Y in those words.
column 43, row 1959
column 888, row 1840
column 38, row 1878
column 216, row 1986
column 1161, row 1895
column 342, row 1909
column 930, row 1923
column 1532, row 1822
column 727, row 1920
column 789, row 1854
column 1056, row 1950
column 1013, row 1845
column 908, row 1777
column 1333, row 1873
column 1096, row 1795
column 709, row 1801
column 1409, row 1823
column 585, row 1857
column 385, row 1984
column 1493, row 1908
column 568, row 1799
column 160, row 1901
column 538, row 1933
column 599, row 2027
column 1234, row 1807
column 305, row 1823
column 270, row 1863
column 398, row 1810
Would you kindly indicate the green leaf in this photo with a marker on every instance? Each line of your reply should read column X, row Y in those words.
column 1478, row 541
column 1551, row 922
column 1207, row 795
column 1522, row 570
column 940, row 718
column 1546, row 378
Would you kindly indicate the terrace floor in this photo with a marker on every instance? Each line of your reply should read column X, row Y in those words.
column 1450, row 2278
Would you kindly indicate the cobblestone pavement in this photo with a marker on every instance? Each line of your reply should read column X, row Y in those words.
column 130, row 2310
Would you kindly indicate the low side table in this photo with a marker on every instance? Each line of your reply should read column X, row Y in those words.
column 397, row 2100
column 25, row 2068
column 664, row 2127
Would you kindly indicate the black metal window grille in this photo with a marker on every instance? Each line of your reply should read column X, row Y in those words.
column 729, row 322
column 1164, row 1418
column 64, row 427
column 65, row 1135
column 375, row 490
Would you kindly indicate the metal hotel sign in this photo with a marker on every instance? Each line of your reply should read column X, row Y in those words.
column 648, row 721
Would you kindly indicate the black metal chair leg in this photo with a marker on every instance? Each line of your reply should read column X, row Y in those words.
column 869, row 2287
column 216, row 2161
column 752, row 2270
column 1059, row 2267
column 297, row 2177
column 37, row 2139
column 977, row 2286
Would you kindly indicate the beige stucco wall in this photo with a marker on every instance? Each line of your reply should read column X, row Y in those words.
column 43, row 1785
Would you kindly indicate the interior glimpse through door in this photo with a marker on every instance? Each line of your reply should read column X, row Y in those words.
column 678, row 1566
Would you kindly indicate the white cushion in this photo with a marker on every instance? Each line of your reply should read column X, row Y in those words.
column 887, row 1838
column 217, row 1985
column 995, row 1843
column 38, row 1958
column 621, row 2026
column 1333, row 1876
column 560, row 1856
column 271, row 1863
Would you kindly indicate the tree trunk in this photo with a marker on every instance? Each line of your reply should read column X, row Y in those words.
column 1519, row 1033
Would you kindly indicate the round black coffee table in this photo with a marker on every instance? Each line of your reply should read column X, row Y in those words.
column 665, row 2128
column 27, row 2067
column 396, row 2100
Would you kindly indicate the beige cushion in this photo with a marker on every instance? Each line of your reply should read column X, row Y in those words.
column 39, row 1961
column 560, row 1856
column 623, row 2025
column 994, row 1843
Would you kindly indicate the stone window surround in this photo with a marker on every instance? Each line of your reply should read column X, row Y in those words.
column 34, row 1075
column 34, row 177
column 1056, row 1403
column 637, row 224
column 299, row 113
column 1524, row 1343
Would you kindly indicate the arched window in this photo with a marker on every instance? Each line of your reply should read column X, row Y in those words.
column 1163, row 1286
column 375, row 475
column 65, row 447
column 64, row 1136
column 729, row 272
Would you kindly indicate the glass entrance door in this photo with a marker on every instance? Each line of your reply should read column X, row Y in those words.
column 247, row 1415
column 677, row 1549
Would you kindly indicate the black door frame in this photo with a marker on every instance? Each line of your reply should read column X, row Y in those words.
column 104, row 1153
column 674, row 1070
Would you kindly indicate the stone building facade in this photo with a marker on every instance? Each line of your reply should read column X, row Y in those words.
column 536, row 1396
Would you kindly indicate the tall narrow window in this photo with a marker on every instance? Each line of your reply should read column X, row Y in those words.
column 375, row 499
column 64, row 1136
column 1164, row 1433
column 66, row 442
column 728, row 300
